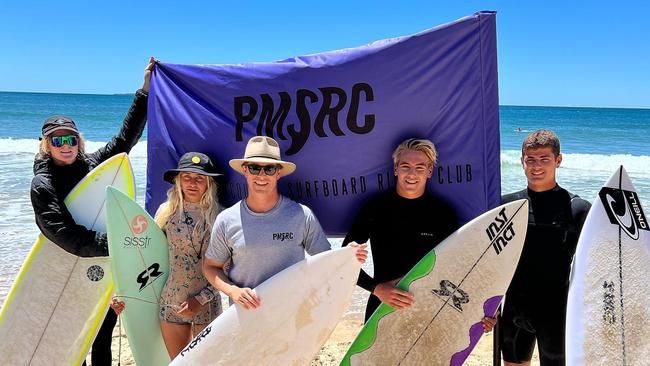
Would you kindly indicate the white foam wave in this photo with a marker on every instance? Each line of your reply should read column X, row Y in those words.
column 18, row 146
column 139, row 151
column 30, row 146
column 635, row 165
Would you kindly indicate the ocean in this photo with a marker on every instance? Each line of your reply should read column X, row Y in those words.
column 595, row 141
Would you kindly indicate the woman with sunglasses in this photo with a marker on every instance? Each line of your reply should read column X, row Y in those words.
column 186, row 218
column 59, row 165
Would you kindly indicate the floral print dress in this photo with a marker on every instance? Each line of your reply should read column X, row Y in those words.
column 185, row 277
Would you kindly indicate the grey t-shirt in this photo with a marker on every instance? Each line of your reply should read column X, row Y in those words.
column 256, row 246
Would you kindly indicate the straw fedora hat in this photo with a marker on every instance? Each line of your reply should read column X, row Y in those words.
column 262, row 150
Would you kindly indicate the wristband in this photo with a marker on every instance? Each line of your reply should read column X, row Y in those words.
column 201, row 299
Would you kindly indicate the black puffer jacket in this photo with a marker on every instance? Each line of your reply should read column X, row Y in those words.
column 52, row 183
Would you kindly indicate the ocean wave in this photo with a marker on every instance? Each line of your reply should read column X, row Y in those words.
column 30, row 146
column 634, row 164
column 18, row 146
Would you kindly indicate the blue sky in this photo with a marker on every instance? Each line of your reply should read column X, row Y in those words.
column 567, row 53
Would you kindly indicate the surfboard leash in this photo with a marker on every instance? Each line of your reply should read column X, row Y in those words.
column 496, row 345
column 119, row 344
column 139, row 299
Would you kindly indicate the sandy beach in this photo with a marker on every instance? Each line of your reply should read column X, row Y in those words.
column 335, row 347
column 337, row 344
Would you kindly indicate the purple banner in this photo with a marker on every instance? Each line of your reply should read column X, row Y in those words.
column 339, row 115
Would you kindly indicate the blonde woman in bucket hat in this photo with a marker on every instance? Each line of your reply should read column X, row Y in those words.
column 269, row 219
column 187, row 302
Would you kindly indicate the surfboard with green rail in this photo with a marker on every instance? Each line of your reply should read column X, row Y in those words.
column 455, row 285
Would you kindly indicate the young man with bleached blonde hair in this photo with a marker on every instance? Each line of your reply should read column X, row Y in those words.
column 413, row 144
column 403, row 225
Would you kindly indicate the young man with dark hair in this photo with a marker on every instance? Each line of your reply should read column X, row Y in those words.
column 535, row 304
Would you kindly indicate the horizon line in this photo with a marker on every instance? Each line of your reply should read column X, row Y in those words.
column 500, row 105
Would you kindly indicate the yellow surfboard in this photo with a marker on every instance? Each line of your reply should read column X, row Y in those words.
column 58, row 300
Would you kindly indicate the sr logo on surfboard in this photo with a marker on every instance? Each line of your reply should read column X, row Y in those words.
column 623, row 209
column 449, row 290
column 149, row 275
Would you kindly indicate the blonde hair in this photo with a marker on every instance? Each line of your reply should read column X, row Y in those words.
column 44, row 148
column 208, row 204
column 413, row 144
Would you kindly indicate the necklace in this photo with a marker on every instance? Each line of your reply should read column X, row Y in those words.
column 190, row 225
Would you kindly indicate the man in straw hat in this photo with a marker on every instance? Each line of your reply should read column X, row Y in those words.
column 264, row 233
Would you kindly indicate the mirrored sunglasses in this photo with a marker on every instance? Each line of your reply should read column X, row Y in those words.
column 59, row 141
column 255, row 169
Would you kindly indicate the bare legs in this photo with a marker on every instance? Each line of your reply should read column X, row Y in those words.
column 177, row 336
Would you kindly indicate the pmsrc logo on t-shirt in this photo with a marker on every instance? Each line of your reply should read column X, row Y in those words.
column 624, row 209
column 282, row 236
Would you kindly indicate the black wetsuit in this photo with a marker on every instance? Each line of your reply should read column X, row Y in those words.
column 535, row 306
column 52, row 183
column 401, row 232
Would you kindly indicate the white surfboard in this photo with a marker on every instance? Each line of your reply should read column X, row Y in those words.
column 460, row 281
column 58, row 300
column 300, row 308
column 608, row 311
